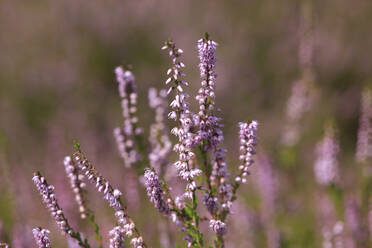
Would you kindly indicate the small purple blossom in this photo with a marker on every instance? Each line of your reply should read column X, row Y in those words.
column 211, row 202
column 41, row 237
column 218, row 227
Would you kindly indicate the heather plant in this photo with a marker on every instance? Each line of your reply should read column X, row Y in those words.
column 201, row 164
column 170, row 171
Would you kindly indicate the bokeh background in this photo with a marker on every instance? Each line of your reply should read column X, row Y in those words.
column 57, row 85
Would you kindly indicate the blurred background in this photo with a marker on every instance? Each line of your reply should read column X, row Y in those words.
column 57, row 85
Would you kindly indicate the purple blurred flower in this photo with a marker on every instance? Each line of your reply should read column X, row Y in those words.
column 326, row 163
column 300, row 101
column 125, row 136
column 159, row 139
column 364, row 143
column 267, row 186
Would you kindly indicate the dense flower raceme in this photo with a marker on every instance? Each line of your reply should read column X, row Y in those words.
column 364, row 144
column 112, row 196
column 125, row 136
column 41, row 237
column 50, row 200
column 220, row 178
column 77, row 185
column 155, row 191
column 209, row 127
column 187, row 139
column 181, row 113
column 117, row 239
column 159, row 140
column 248, row 141
column 326, row 163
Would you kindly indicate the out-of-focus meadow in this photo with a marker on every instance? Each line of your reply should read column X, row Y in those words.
column 57, row 85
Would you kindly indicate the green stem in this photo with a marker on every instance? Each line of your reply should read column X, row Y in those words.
column 195, row 218
column 95, row 227
column 83, row 243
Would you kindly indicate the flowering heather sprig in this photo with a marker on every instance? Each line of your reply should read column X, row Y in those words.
column 112, row 196
column 180, row 111
column 209, row 127
column 159, row 139
column 364, row 143
column 155, row 192
column 77, row 185
column 248, row 141
column 3, row 245
column 41, row 237
column 326, row 163
column 168, row 207
column 218, row 227
column 127, row 135
column 187, row 140
column 50, row 201
column 117, row 239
